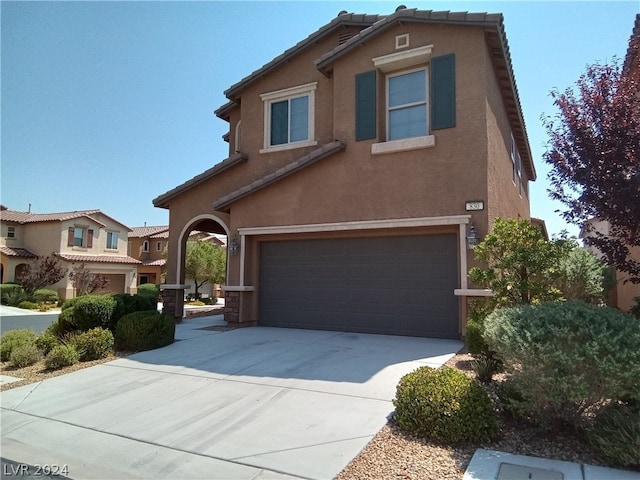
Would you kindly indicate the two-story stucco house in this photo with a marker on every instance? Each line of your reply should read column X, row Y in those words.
column 362, row 161
column 87, row 236
column 149, row 245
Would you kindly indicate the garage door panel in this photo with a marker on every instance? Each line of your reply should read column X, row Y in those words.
column 393, row 285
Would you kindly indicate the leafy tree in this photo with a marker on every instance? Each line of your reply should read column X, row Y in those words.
column 583, row 276
column 47, row 272
column 86, row 282
column 520, row 265
column 594, row 154
column 205, row 262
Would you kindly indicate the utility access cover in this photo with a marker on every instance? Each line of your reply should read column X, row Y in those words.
column 509, row 471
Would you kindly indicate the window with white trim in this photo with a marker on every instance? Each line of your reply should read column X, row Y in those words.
column 289, row 117
column 112, row 240
column 11, row 231
column 407, row 105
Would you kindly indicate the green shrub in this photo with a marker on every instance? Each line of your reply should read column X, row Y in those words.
column 150, row 290
column 132, row 303
column 9, row 292
column 66, row 322
column 94, row 344
column 13, row 339
column 486, row 366
column 28, row 305
column 46, row 342
column 444, row 405
column 616, row 434
column 24, row 355
column 91, row 311
column 473, row 339
column 565, row 358
column 69, row 303
column 61, row 356
column 45, row 295
column 139, row 331
column 635, row 310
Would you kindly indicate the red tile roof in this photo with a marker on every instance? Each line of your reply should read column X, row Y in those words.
column 17, row 252
column 155, row 263
column 70, row 257
column 28, row 217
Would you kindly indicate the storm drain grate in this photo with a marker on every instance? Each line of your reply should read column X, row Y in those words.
column 509, row 471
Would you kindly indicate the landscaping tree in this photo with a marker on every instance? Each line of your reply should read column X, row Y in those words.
column 520, row 265
column 594, row 155
column 205, row 262
column 47, row 272
column 86, row 282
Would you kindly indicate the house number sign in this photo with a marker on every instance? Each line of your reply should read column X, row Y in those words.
column 474, row 205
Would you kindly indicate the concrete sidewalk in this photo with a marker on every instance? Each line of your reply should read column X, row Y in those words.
column 252, row 403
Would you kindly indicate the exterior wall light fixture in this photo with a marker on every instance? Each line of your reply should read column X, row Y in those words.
column 472, row 237
column 234, row 246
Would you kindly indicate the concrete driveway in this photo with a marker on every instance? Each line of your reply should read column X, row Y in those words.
column 252, row 403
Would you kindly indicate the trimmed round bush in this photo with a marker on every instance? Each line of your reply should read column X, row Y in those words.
column 566, row 357
column 46, row 342
column 616, row 434
column 149, row 290
column 10, row 291
column 45, row 295
column 13, row 339
column 28, row 305
column 444, row 405
column 66, row 321
column 24, row 355
column 94, row 344
column 132, row 303
column 61, row 356
column 91, row 311
column 147, row 330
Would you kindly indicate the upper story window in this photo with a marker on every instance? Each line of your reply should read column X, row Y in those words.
column 158, row 246
column 79, row 236
column 11, row 231
column 419, row 93
column 112, row 240
column 407, row 105
column 289, row 118
column 145, row 246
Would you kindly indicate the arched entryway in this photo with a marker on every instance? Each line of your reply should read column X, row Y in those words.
column 174, row 293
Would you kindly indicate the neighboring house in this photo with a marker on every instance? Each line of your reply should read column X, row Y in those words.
column 361, row 162
column 87, row 236
column 149, row 245
column 623, row 294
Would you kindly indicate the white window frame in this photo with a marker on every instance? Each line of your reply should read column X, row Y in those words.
column 400, row 63
column 270, row 98
column 110, row 236
column 11, row 231
column 389, row 109
column 514, row 152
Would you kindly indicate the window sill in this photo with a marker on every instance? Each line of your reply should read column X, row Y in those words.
column 289, row 146
column 403, row 145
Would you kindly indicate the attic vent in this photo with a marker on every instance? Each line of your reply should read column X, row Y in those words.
column 343, row 37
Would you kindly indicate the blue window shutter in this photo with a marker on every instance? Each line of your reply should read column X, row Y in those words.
column 443, row 92
column 366, row 105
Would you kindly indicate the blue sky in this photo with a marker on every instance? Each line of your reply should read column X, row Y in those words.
column 109, row 104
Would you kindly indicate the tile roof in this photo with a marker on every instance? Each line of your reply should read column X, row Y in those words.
column 142, row 232
column 28, row 217
column 324, row 151
column 155, row 263
column 71, row 257
column 17, row 252
column 162, row 201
